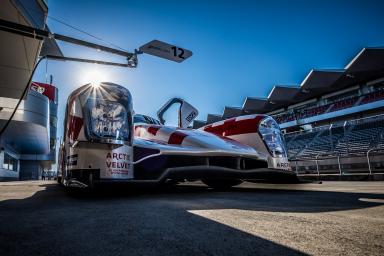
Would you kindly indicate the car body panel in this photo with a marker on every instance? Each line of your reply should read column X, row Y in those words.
column 154, row 152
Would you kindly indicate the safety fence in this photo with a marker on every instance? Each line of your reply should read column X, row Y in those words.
column 355, row 146
column 370, row 163
column 353, row 137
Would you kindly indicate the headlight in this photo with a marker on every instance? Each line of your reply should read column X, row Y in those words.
column 272, row 137
column 108, row 120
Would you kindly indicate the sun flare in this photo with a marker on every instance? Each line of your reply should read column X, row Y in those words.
column 95, row 77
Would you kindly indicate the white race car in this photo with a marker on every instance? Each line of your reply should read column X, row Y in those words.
column 105, row 142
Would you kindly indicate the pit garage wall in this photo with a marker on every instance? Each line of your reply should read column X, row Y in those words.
column 31, row 170
column 5, row 174
column 27, row 136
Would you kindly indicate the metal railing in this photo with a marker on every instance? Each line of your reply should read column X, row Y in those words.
column 368, row 159
column 324, row 164
column 346, row 138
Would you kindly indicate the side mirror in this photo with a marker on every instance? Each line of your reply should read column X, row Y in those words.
column 187, row 113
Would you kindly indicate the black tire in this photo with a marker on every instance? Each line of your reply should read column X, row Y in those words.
column 91, row 182
column 221, row 184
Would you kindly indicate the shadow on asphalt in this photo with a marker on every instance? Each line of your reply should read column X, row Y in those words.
column 246, row 198
column 151, row 220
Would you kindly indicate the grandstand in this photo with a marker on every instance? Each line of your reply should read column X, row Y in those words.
column 333, row 121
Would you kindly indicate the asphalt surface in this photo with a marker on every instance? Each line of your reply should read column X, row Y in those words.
column 333, row 218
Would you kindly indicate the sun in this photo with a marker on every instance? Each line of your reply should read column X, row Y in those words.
column 95, row 77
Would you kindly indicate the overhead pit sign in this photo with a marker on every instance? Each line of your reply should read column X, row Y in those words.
column 166, row 51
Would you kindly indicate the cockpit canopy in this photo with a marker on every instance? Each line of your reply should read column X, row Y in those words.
column 108, row 119
column 103, row 110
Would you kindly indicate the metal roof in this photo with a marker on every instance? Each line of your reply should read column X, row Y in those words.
column 232, row 112
column 317, row 82
column 198, row 123
column 283, row 94
column 371, row 58
column 254, row 104
column 366, row 66
column 320, row 80
column 211, row 118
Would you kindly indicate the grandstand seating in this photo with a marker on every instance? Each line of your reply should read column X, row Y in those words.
column 312, row 112
column 297, row 142
column 353, row 139
column 286, row 117
column 374, row 96
column 342, row 104
column 335, row 106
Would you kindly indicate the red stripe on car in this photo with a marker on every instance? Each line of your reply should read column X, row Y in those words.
column 177, row 138
column 153, row 129
column 233, row 127
column 137, row 131
column 74, row 126
column 243, row 126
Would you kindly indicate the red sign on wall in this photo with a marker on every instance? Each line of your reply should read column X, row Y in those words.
column 46, row 89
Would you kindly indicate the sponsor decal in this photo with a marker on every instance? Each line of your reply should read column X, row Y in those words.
column 45, row 89
column 37, row 88
column 117, row 164
column 191, row 116
column 283, row 165
column 280, row 163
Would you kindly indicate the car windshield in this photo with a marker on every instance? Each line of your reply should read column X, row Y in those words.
column 143, row 119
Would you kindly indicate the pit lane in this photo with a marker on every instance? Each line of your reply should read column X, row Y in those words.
column 41, row 218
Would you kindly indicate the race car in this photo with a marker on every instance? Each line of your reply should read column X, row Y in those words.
column 105, row 141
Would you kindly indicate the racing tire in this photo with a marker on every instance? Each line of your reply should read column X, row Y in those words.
column 91, row 182
column 221, row 184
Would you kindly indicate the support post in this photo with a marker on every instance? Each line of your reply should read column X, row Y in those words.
column 317, row 165
column 369, row 162
column 338, row 161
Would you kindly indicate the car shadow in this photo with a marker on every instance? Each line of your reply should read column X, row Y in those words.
column 151, row 220
column 278, row 199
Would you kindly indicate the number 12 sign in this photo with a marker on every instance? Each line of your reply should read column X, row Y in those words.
column 166, row 51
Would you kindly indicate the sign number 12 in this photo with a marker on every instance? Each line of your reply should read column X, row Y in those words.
column 178, row 52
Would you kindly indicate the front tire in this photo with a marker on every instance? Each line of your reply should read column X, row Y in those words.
column 91, row 181
column 221, row 184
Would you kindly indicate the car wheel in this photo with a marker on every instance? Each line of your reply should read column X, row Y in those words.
column 91, row 183
column 221, row 184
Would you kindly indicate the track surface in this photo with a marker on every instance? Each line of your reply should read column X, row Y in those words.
column 333, row 218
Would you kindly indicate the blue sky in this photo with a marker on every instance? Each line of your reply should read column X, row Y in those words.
column 240, row 48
